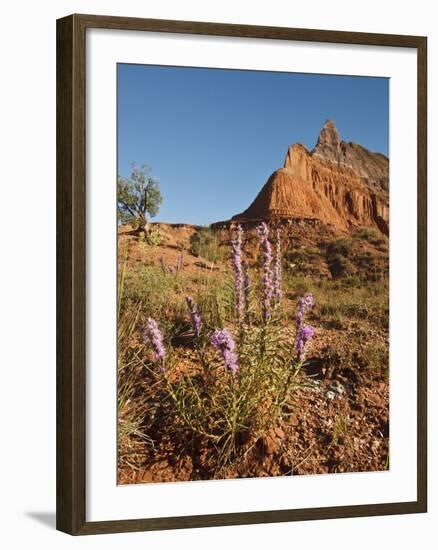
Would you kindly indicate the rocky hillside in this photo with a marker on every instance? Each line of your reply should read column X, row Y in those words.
column 338, row 183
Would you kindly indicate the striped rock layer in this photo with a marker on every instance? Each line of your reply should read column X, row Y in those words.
column 339, row 183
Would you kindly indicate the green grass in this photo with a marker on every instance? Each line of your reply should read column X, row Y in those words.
column 340, row 301
column 340, row 429
column 162, row 296
column 302, row 260
column 205, row 243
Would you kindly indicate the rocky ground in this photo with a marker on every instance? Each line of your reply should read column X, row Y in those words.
column 335, row 427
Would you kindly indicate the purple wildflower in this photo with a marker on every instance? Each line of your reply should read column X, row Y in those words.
column 267, row 282
column 277, row 293
column 236, row 259
column 224, row 342
column 195, row 316
column 179, row 262
column 305, row 334
column 305, row 303
column 308, row 300
column 299, row 319
column 246, row 285
column 154, row 337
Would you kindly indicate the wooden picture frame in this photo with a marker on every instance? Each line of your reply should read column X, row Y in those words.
column 71, row 273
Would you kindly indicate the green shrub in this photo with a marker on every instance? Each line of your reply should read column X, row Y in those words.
column 370, row 235
column 153, row 237
column 339, row 265
column 341, row 247
column 364, row 233
column 337, row 253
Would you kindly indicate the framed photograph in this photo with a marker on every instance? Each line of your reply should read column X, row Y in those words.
column 241, row 274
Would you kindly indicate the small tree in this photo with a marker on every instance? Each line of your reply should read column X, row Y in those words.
column 138, row 196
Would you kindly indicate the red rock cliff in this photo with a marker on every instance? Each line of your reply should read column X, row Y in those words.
column 339, row 183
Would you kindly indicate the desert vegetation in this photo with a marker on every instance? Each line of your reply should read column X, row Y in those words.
column 138, row 197
column 250, row 350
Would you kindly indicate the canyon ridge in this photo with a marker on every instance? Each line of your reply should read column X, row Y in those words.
column 338, row 183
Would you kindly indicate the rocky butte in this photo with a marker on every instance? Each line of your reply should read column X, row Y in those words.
column 338, row 183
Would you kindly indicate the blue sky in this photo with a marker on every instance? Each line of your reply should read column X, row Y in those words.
column 213, row 137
